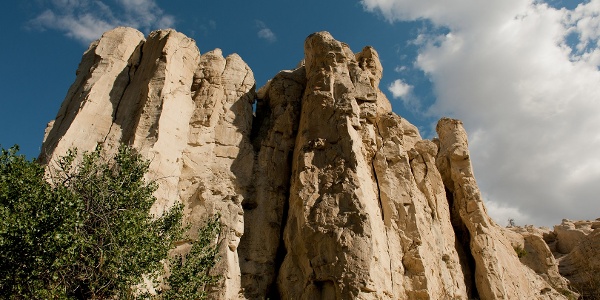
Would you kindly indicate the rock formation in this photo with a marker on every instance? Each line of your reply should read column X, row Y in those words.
column 566, row 255
column 324, row 192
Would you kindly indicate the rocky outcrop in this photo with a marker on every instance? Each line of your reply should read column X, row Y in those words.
column 323, row 192
column 498, row 272
column 581, row 266
column 88, row 111
column 533, row 251
column 571, row 252
column 189, row 115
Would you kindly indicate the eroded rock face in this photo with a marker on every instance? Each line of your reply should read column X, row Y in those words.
column 537, row 254
column 87, row 113
column 573, row 248
column 581, row 266
column 323, row 192
column 274, row 138
column 498, row 272
column 189, row 115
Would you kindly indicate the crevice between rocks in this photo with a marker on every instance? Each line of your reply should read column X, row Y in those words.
column 273, row 288
column 374, row 170
column 378, row 189
column 130, row 70
column 463, row 248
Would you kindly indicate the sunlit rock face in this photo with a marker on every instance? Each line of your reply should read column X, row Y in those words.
column 323, row 192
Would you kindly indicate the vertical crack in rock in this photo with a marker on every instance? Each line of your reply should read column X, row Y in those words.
column 462, row 245
column 85, row 117
column 273, row 137
column 378, row 191
column 374, row 171
column 498, row 272
column 132, row 66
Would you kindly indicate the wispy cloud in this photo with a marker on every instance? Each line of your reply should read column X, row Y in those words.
column 265, row 32
column 528, row 98
column 86, row 20
column 399, row 69
column 205, row 28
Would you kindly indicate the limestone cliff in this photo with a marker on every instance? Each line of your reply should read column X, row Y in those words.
column 324, row 192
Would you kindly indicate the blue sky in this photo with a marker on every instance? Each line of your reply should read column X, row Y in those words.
column 521, row 74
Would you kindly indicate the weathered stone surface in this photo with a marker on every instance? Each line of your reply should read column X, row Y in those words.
column 569, row 234
column 217, row 161
column 275, row 130
column 537, row 254
column 498, row 272
column 368, row 215
column 323, row 192
column 328, row 231
column 86, row 115
column 582, row 266
column 575, row 246
column 190, row 116
column 416, row 215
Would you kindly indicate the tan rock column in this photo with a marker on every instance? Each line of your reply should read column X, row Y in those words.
column 424, row 261
column 332, row 246
column 86, row 114
column 275, row 129
column 498, row 272
column 217, row 160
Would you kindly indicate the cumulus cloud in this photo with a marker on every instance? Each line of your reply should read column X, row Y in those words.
column 403, row 91
column 399, row 88
column 86, row 20
column 265, row 32
column 529, row 99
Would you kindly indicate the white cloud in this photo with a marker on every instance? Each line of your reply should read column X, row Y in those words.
column 530, row 103
column 87, row 20
column 265, row 32
column 84, row 28
column 503, row 213
column 403, row 91
column 399, row 88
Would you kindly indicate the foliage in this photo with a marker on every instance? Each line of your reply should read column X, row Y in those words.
column 87, row 234
column 520, row 251
column 32, row 216
column 190, row 272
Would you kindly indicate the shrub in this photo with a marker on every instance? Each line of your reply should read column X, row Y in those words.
column 84, row 233
column 190, row 272
column 520, row 251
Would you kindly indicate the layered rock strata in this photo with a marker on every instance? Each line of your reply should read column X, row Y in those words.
column 324, row 192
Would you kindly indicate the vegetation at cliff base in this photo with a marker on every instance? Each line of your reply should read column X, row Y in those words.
column 82, row 230
column 185, row 280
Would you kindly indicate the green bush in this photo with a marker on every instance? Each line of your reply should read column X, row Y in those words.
column 520, row 251
column 85, row 233
column 190, row 273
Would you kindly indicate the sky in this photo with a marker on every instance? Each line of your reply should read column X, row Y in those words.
column 522, row 75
